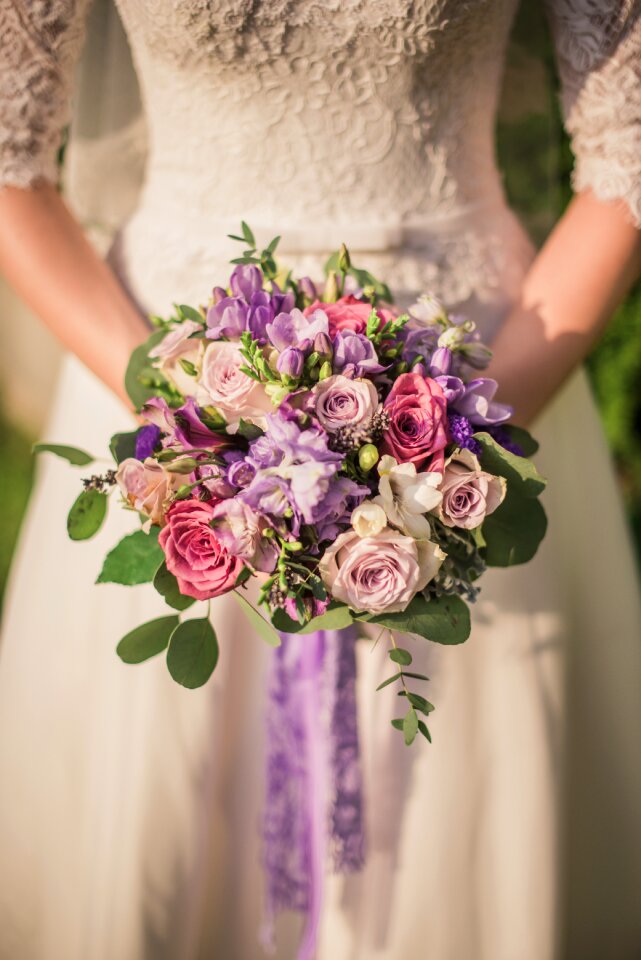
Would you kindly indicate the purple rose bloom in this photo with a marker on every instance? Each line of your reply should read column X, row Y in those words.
column 477, row 403
column 245, row 280
column 227, row 318
column 354, row 355
column 294, row 329
column 147, row 439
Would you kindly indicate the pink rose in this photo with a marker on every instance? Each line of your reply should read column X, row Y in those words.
column 201, row 565
column 147, row 486
column 381, row 573
column 341, row 402
column 224, row 385
column 417, row 431
column 348, row 313
column 469, row 493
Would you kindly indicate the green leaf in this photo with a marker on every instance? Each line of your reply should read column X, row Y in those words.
column 139, row 363
column 190, row 313
column 335, row 617
column 523, row 438
column 272, row 245
column 397, row 724
column 247, row 234
column 415, row 676
column 398, row 655
column 249, row 430
column 410, row 726
column 147, row 640
column 422, row 726
column 87, row 514
column 79, row 458
column 514, row 531
column 134, row 560
column 520, row 473
column 420, row 703
column 386, row 683
column 442, row 620
column 260, row 625
column 123, row 445
column 167, row 586
column 193, row 652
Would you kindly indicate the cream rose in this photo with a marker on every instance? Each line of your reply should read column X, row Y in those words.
column 147, row 486
column 224, row 385
column 379, row 574
column 469, row 493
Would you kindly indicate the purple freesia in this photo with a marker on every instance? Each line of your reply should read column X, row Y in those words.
column 419, row 342
column 245, row 280
column 227, row 318
column 477, row 403
column 441, row 362
column 240, row 473
column 333, row 513
column 147, row 440
column 452, row 387
column 354, row 355
column 294, row 329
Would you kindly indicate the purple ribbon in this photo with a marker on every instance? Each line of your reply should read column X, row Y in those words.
column 313, row 804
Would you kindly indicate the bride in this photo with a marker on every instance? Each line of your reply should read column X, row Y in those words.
column 129, row 805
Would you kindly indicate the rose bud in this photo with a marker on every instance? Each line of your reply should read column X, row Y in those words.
column 291, row 362
column 441, row 362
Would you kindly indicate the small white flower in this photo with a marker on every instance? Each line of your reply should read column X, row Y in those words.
column 368, row 519
column 428, row 310
column 406, row 496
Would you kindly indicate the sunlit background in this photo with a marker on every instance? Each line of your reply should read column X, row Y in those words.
column 535, row 157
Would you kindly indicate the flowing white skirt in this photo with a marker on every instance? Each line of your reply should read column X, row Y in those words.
column 129, row 806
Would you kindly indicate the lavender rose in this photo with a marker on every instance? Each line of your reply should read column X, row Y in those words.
column 341, row 402
column 194, row 554
column 379, row 574
column 469, row 493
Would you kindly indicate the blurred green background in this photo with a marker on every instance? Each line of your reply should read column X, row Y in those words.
column 534, row 154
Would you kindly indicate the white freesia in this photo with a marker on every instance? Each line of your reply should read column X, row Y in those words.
column 428, row 310
column 368, row 519
column 406, row 496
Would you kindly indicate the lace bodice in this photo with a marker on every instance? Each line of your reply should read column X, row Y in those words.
column 369, row 121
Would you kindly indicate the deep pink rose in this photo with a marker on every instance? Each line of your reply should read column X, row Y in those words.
column 417, row 431
column 348, row 313
column 200, row 563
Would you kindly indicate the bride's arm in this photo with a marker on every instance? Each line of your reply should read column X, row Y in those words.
column 46, row 257
column 594, row 255
column 578, row 279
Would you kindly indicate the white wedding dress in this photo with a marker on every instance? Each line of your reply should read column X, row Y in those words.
column 129, row 806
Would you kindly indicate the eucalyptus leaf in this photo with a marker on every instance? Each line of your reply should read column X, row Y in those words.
column 190, row 313
column 441, row 620
column 386, row 683
column 167, row 586
column 398, row 655
column 87, row 514
column 123, row 445
column 193, row 652
column 79, row 458
column 514, row 531
column 134, row 560
column 139, row 362
column 520, row 473
column 260, row 625
column 335, row 617
column 422, row 726
column 398, row 723
column 410, row 726
column 146, row 641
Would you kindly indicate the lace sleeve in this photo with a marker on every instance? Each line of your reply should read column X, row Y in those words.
column 40, row 41
column 598, row 48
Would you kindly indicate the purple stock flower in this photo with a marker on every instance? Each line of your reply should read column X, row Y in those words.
column 227, row 318
column 461, row 433
column 477, row 403
column 354, row 355
column 294, row 329
column 147, row 440
column 504, row 440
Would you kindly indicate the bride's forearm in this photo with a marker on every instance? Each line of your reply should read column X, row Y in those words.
column 578, row 279
column 47, row 259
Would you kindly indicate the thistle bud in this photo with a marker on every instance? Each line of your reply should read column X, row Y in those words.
column 290, row 363
column 323, row 347
column 367, row 457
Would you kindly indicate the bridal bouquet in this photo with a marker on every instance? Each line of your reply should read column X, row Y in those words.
column 346, row 456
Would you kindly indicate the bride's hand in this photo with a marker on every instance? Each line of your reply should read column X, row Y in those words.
column 575, row 284
column 46, row 257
